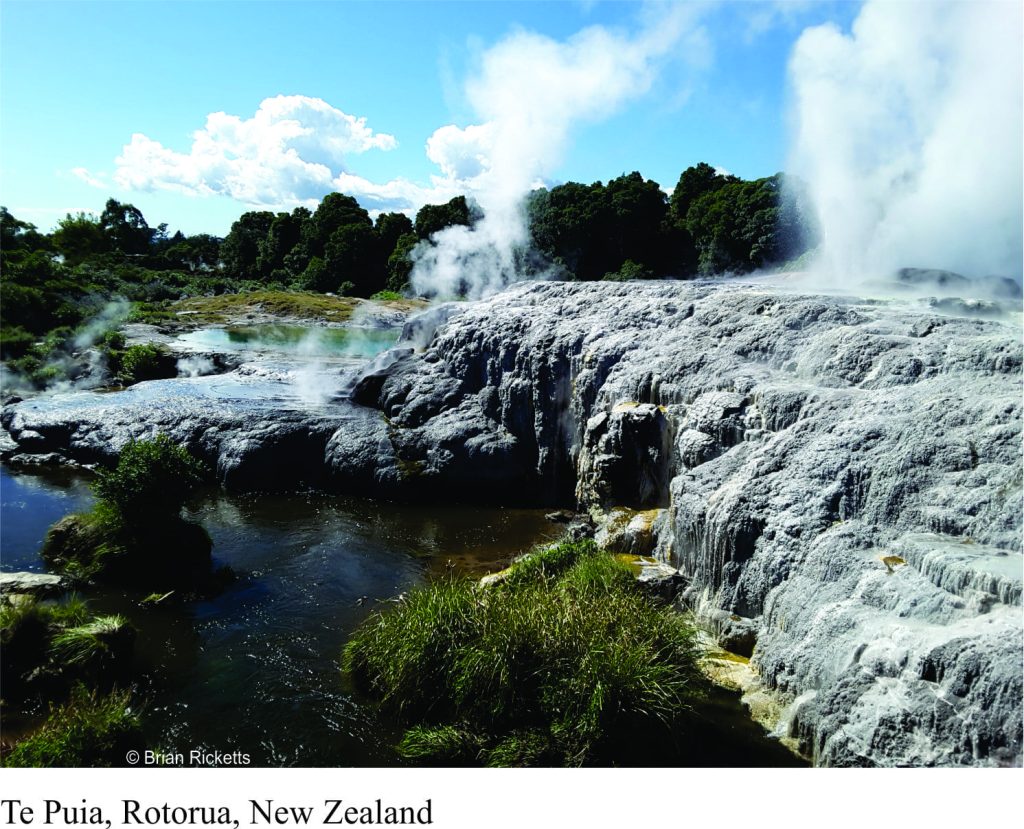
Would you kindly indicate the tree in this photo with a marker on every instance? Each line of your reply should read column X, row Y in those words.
column 241, row 248
column 433, row 218
column 282, row 237
column 693, row 183
column 18, row 235
column 391, row 227
column 126, row 228
column 197, row 253
column 399, row 266
column 79, row 237
column 745, row 225
column 350, row 256
column 335, row 211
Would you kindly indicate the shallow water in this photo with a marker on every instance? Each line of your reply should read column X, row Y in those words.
column 257, row 668
column 295, row 340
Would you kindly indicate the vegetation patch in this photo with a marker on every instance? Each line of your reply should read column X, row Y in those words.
column 562, row 662
column 89, row 730
column 303, row 305
column 135, row 534
column 47, row 646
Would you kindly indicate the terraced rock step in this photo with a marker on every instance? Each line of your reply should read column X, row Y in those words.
column 789, row 444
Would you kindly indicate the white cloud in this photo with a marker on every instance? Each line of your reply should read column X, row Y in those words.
column 98, row 181
column 287, row 153
column 462, row 153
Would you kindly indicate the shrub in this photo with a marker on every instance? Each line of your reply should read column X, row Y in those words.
column 145, row 362
column 89, row 730
column 152, row 479
column 563, row 661
column 387, row 296
column 135, row 534
column 15, row 341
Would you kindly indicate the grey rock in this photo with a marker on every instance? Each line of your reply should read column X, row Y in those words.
column 39, row 585
column 733, row 633
column 794, row 441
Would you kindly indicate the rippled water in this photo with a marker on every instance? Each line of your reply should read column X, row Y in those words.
column 257, row 668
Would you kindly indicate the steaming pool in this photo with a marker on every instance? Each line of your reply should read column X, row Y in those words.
column 293, row 340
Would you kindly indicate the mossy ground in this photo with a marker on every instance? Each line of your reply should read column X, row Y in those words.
column 562, row 662
column 296, row 305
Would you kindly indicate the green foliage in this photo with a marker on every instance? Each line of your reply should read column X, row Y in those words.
column 744, row 225
column 693, row 183
column 442, row 745
column 387, row 296
column 433, row 218
column 151, row 481
column 350, row 256
column 399, row 266
column 91, row 642
column 563, row 661
column 15, row 341
column 391, row 227
column 593, row 230
column 126, row 228
column 143, row 362
column 241, row 247
column 79, row 237
column 630, row 270
column 47, row 645
column 90, row 730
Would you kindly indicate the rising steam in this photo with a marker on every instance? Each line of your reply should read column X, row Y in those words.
column 908, row 134
column 531, row 92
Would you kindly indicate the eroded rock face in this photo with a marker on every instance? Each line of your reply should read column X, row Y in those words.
column 795, row 441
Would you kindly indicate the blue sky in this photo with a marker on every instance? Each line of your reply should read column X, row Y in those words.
column 79, row 79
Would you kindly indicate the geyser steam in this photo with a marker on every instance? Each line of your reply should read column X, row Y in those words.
column 908, row 133
column 530, row 92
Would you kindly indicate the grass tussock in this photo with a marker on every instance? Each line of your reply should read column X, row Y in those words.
column 91, row 642
column 46, row 647
column 89, row 730
column 563, row 662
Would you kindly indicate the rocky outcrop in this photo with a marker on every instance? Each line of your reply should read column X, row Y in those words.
column 840, row 475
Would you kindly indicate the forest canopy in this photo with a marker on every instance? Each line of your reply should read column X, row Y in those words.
column 626, row 228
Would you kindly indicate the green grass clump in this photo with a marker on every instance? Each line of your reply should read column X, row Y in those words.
column 91, row 642
column 89, row 730
column 564, row 662
column 135, row 533
column 48, row 646
column 387, row 296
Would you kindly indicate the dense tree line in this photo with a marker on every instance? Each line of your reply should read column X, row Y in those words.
column 627, row 228
column 631, row 228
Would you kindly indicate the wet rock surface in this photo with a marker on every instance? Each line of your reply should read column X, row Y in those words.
column 794, row 441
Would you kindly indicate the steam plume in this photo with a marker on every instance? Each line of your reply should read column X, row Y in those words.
column 531, row 92
column 908, row 133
